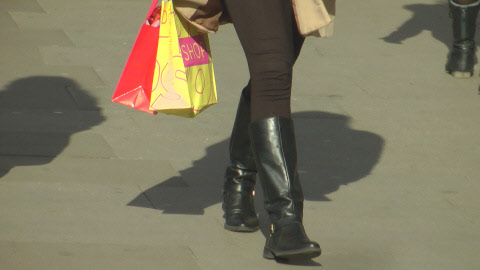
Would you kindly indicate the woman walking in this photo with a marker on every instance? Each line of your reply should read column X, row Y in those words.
column 271, row 33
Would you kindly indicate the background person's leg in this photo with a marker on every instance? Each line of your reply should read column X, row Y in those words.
column 462, row 55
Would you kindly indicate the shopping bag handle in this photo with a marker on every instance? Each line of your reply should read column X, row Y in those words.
column 152, row 7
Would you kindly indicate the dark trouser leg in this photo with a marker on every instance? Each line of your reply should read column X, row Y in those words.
column 462, row 56
column 271, row 42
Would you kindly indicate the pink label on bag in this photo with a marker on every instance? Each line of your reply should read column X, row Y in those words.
column 194, row 51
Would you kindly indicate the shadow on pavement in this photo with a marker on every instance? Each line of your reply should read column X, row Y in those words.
column 433, row 18
column 330, row 154
column 37, row 117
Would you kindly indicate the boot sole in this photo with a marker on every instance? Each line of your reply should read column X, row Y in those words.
column 461, row 74
column 301, row 254
column 241, row 228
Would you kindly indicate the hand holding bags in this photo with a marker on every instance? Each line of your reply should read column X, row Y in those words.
column 169, row 69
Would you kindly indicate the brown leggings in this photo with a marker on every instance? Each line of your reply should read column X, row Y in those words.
column 271, row 42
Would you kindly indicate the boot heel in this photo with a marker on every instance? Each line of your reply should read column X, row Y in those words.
column 268, row 254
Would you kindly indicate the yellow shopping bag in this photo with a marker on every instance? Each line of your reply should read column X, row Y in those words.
column 183, row 81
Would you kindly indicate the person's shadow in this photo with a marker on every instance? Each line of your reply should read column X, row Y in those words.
column 433, row 18
column 330, row 154
column 38, row 115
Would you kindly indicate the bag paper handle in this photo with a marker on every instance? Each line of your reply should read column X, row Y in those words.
column 152, row 7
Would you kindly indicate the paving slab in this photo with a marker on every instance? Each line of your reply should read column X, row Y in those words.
column 141, row 174
column 26, row 256
column 26, row 5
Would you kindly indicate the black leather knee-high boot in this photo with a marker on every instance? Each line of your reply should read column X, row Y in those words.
column 462, row 56
column 276, row 158
column 240, row 175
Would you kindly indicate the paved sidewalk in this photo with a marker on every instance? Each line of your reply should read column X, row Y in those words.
column 388, row 146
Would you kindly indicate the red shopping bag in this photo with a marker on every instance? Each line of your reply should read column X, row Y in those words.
column 134, row 88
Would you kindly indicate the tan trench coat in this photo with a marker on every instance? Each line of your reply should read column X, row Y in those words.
column 314, row 17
